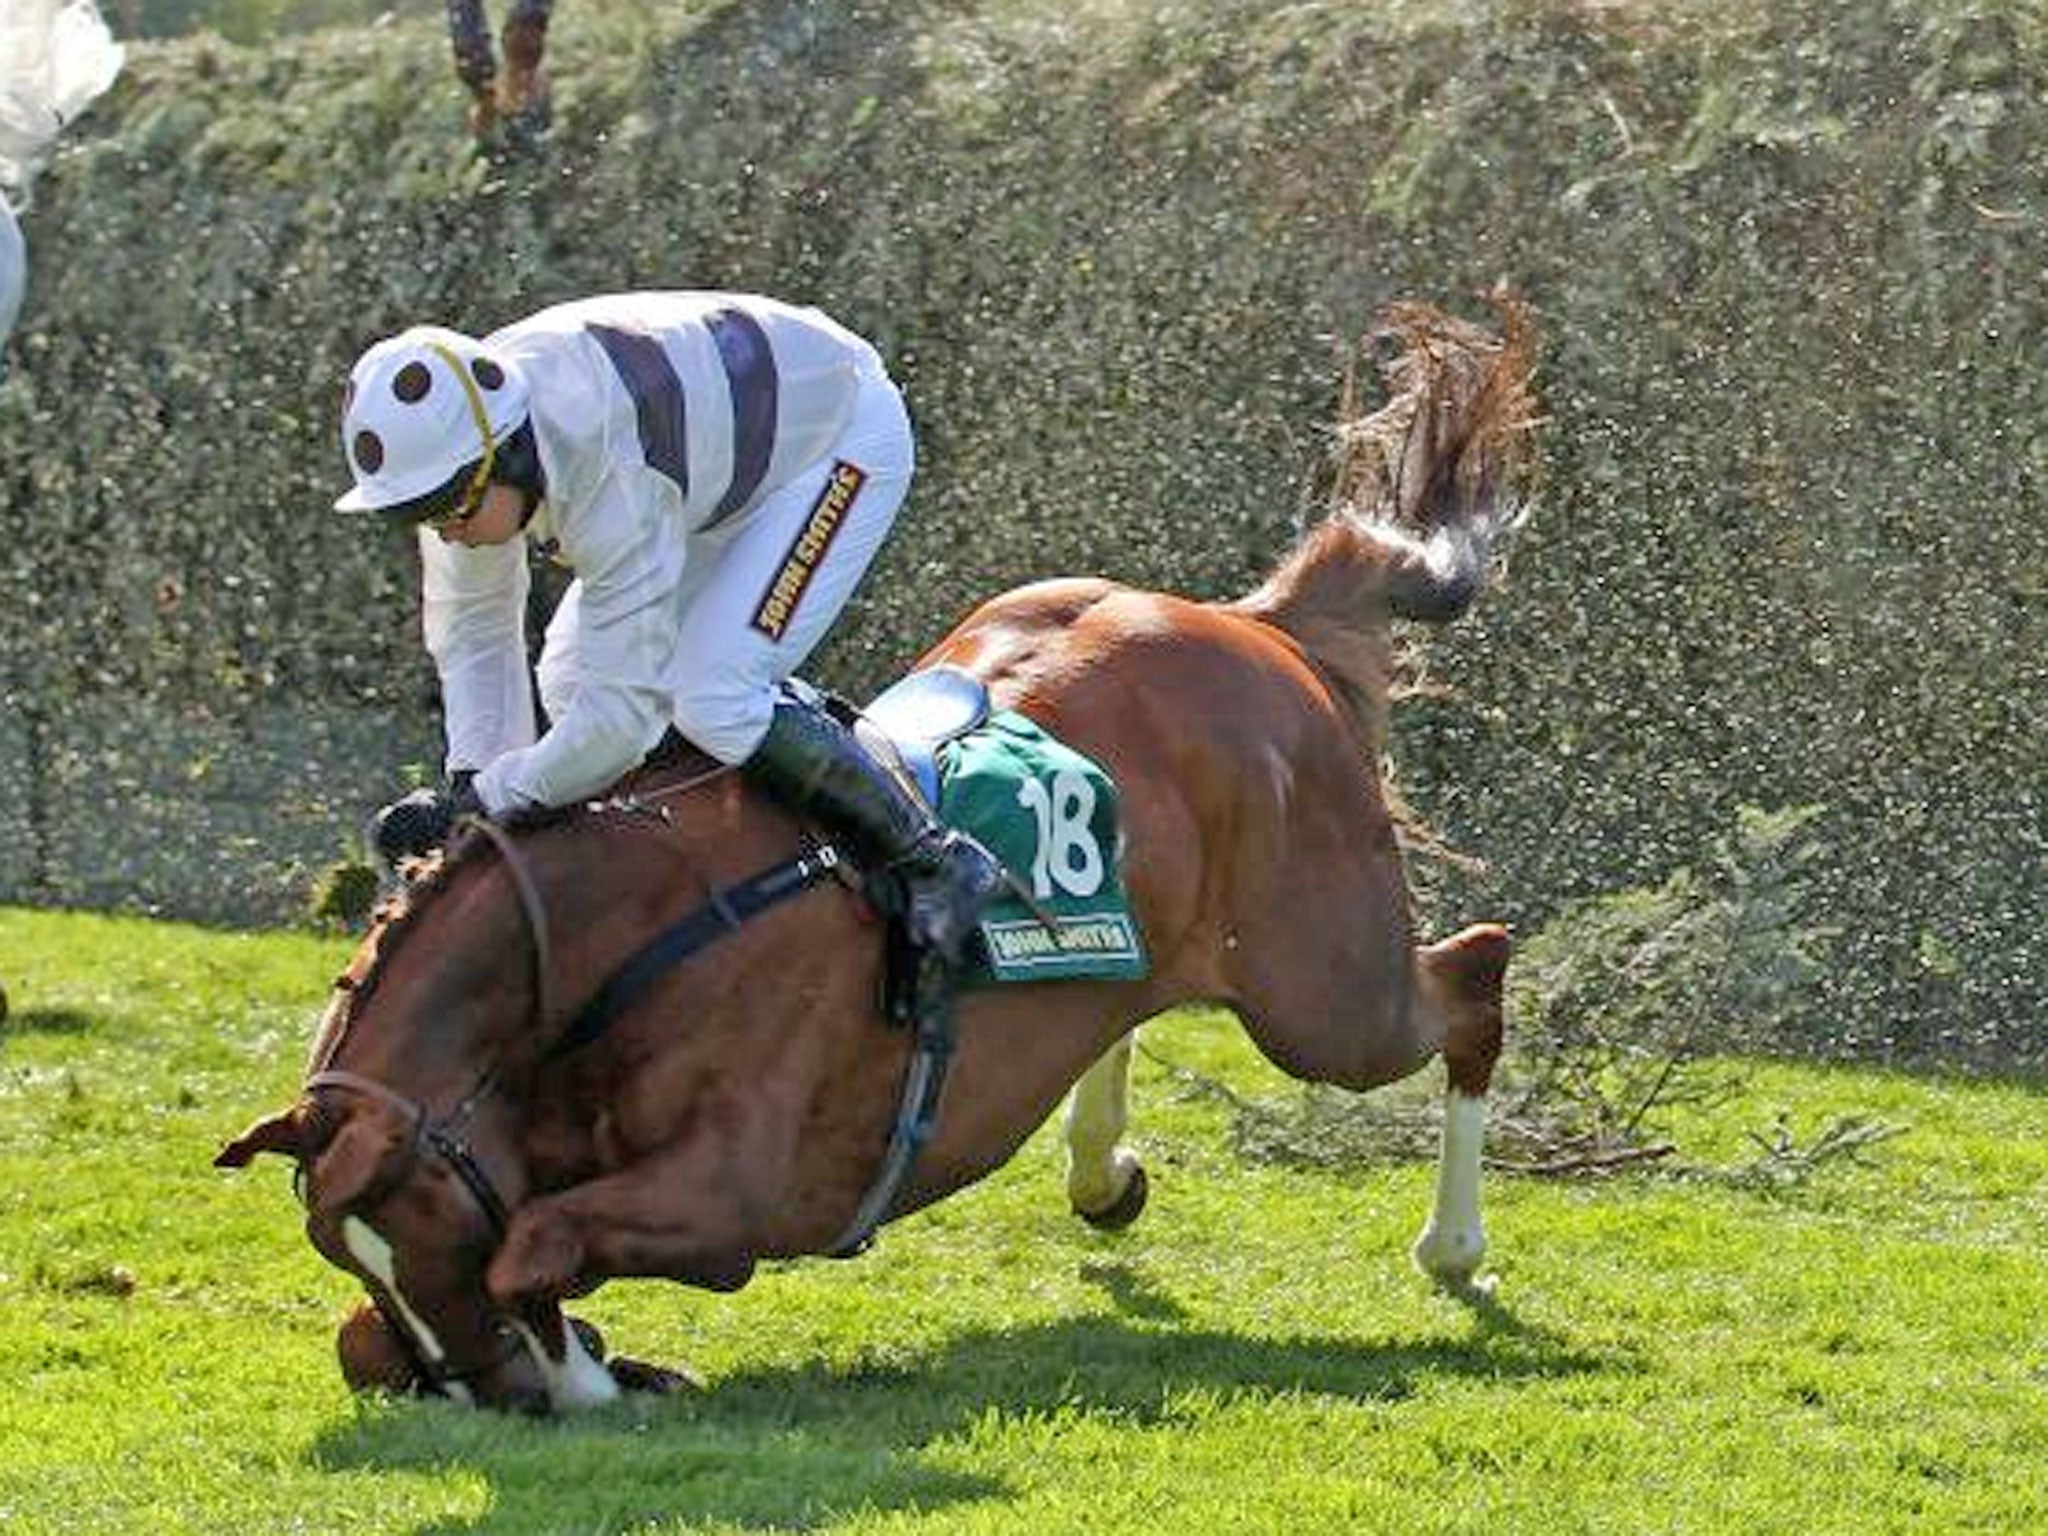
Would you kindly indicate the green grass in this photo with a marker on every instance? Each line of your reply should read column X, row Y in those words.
column 1864, row 1351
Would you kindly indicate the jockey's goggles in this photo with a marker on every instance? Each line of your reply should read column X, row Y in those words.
column 465, row 505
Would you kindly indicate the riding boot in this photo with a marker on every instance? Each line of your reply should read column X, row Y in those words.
column 813, row 764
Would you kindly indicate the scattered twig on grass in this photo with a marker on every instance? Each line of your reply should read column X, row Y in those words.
column 1322, row 1127
column 1593, row 1160
column 1781, row 1161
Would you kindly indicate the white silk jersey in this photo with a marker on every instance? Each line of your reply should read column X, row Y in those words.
column 663, row 421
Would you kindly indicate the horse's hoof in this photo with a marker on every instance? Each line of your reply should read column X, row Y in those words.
column 656, row 1380
column 373, row 1358
column 1125, row 1208
column 1468, row 1290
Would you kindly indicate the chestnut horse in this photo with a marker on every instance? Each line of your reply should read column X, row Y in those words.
column 474, row 1159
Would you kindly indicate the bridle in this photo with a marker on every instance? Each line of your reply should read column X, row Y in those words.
column 444, row 1139
column 447, row 1138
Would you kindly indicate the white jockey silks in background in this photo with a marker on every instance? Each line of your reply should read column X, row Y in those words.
column 55, row 57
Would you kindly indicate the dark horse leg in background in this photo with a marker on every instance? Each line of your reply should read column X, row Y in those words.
column 518, row 97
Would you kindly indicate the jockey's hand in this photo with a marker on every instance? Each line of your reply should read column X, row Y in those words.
column 414, row 825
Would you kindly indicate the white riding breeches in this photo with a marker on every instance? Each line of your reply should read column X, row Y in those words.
column 757, row 598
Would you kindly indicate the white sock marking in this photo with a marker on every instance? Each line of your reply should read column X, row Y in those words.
column 1098, row 1110
column 1454, row 1241
column 580, row 1381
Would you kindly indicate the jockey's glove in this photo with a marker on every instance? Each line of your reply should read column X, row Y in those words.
column 415, row 824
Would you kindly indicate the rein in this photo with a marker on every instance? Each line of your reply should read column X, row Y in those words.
column 723, row 913
column 536, row 914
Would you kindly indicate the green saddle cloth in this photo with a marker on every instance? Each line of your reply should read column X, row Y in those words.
column 1050, row 815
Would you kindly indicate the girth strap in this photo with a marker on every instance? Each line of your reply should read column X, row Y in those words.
column 932, row 1039
column 916, row 1113
column 725, row 911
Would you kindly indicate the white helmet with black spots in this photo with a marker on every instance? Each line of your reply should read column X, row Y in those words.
column 421, row 406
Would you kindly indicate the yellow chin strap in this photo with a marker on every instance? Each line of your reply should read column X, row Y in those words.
column 472, row 494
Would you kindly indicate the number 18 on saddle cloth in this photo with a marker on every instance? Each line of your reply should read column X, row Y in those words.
column 1050, row 815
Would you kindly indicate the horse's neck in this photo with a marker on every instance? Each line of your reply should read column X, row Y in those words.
column 465, row 976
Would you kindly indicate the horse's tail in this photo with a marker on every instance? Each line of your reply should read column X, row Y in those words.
column 1425, row 492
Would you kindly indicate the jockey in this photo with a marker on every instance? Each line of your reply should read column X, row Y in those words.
column 718, row 470
column 55, row 57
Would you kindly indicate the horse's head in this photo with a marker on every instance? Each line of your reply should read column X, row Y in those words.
column 457, row 1099
column 409, row 1165
column 414, row 1210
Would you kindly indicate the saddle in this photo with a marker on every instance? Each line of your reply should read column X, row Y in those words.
column 913, row 717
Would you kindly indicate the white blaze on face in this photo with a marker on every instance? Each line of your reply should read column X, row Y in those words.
column 368, row 1248
column 580, row 1381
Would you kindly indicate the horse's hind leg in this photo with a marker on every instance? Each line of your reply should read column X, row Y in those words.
column 1105, row 1181
column 1459, row 981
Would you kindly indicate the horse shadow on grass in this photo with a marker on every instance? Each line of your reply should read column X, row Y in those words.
column 47, row 1021
column 793, row 1447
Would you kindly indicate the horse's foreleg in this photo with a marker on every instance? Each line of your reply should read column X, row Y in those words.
column 523, row 88
column 1459, row 981
column 658, row 1217
column 1105, row 1181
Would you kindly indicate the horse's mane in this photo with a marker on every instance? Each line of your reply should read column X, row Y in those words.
column 394, row 916
column 1421, row 495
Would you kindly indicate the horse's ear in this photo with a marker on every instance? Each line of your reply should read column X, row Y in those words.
column 283, row 1133
column 353, row 1162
